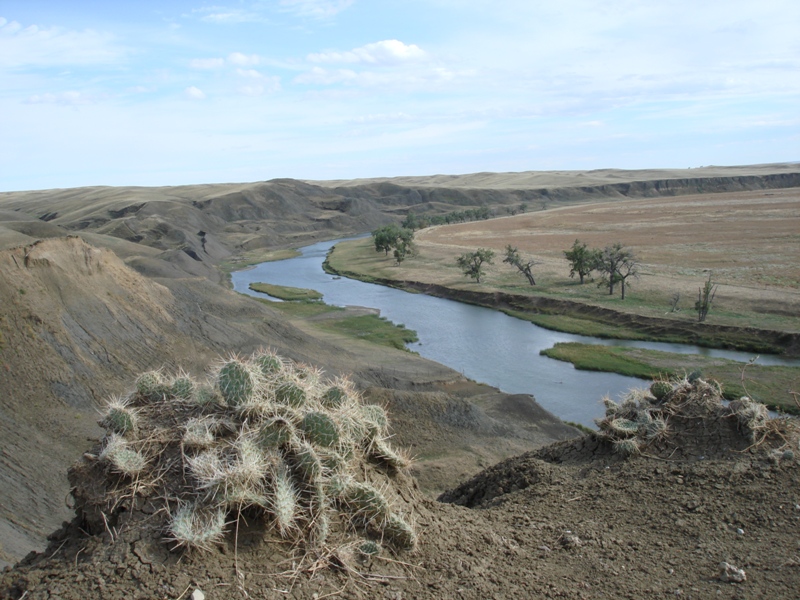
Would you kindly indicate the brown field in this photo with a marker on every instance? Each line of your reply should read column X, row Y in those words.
column 748, row 241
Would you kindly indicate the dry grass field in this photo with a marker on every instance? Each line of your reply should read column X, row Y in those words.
column 749, row 242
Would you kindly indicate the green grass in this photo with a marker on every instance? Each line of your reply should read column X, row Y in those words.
column 285, row 292
column 372, row 328
column 570, row 324
column 771, row 385
column 302, row 309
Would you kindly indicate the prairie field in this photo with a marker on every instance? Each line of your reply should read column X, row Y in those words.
column 748, row 242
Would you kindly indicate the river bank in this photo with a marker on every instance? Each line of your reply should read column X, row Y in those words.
column 585, row 319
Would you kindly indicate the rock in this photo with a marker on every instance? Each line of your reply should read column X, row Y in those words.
column 569, row 540
column 198, row 595
column 727, row 572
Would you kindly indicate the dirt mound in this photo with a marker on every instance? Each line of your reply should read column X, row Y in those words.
column 673, row 421
column 584, row 522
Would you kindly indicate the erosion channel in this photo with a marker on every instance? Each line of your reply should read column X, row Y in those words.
column 483, row 344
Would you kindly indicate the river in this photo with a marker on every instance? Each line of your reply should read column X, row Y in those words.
column 483, row 344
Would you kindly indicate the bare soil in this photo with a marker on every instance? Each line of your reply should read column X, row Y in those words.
column 747, row 240
column 572, row 520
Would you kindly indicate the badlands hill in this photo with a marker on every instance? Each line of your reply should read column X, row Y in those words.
column 100, row 284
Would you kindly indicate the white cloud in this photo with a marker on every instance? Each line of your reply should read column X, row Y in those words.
column 70, row 98
column 251, row 73
column 386, row 52
column 226, row 16
column 34, row 46
column 320, row 76
column 258, row 84
column 315, row 9
column 243, row 60
column 194, row 93
column 207, row 63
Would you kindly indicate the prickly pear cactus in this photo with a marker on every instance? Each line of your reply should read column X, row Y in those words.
column 295, row 450
column 236, row 381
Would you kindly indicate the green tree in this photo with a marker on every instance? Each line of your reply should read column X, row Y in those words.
column 617, row 264
column 514, row 259
column 398, row 240
column 582, row 260
column 404, row 245
column 471, row 263
column 411, row 221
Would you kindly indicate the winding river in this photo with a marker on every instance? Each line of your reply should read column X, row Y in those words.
column 483, row 344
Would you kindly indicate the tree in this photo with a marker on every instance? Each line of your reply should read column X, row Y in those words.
column 471, row 263
column 400, row 240
column 411, row 221
column 705, row 296
column 617, row 264
column 404, row 245
column 515, row 260
column 582, row 260
column 383, row 238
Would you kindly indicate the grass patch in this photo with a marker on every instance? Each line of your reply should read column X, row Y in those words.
column 770, row 385
column 285, row 292
column 579, row 326
column 372, row 328
column 254, row 257
column 302, row 309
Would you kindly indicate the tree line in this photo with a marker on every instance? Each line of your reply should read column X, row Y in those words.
column 615, row 264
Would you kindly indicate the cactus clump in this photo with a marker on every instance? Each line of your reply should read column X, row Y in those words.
column 237, row 382
column 320, row 429
column 399, row 533
column 290, row 394
column 334, row 397
column 182, row 387
column 286, row 447
column 205, row 395
column 660, row 389
column 307, row 461
column 627, row 446
column 284, row 501
column 269, row 363
column 365, row 502
column 275, row 432
column 198, row 433
column 119, row 418
column 193, row 526
column 382, row 451
column 123, row 458
column 151, row 386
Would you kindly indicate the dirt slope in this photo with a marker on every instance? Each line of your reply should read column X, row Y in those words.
column 78, row 325
column 572, row 520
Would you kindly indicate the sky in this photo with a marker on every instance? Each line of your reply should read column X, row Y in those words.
column 172, row 92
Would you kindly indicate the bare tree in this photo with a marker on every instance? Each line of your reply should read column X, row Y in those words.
column 617, row 264
column 705, row 296
column 514, row 259
column 673, row 304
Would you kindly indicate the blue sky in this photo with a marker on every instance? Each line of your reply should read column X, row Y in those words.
column 172, row 92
